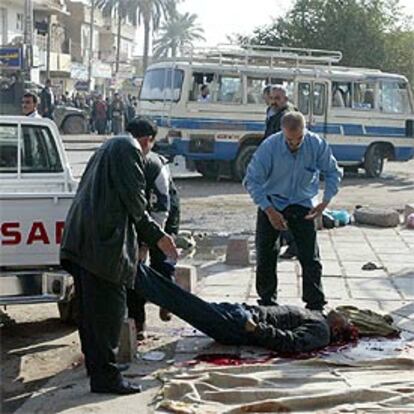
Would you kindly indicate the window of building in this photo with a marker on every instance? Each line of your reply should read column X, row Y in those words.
column 394, row 97
column 19, row 21
column 363, row 96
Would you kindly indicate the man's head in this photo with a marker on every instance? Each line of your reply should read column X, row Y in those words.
column 116, row 96
column 266, row 94
column 341, row 329
column 204, row 91
column 278, row 96
column 145, row 131
column 48, row 83
column 29, row 103
column 293, row 126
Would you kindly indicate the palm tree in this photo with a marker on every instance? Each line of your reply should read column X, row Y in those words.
column 177, row 34
column 149, row 12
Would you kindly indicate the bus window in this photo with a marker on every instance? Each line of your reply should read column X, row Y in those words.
column 229, row 89
column 364, row 95
column 394, row 97
column 162, row 84
column 319, row 97
column 303, row 97
column 254, row 91
column 341, row 94
column 199, row 79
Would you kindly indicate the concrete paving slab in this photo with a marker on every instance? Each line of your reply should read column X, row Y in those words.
column 230, row 290
column 357, row 256
column 288, row 291
column 331, row 267
column 402, row 307
column 354, row 269
column 405, row 284
column 380, row 289
column 399, row 258
column 287, row 278
column 288, row 265
column 335, row 288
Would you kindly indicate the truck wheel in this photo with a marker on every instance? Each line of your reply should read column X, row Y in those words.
column 242, row 161
column 74, row 125
column 69, row 311
column 374, row 161
column 208, row 169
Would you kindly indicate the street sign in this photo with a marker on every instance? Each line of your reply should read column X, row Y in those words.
column 11, row 58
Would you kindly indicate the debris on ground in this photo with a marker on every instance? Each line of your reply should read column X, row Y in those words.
column 378, row 217
column 371, row 266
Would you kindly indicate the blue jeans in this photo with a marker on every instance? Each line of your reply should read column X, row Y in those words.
column 224, row 322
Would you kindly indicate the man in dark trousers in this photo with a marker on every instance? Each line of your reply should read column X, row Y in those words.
column 47, row 100
column 163, row 206
column 284, row 329
column 106, row 221
column 283, row 180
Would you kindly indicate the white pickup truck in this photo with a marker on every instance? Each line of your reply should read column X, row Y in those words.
column 36, row 191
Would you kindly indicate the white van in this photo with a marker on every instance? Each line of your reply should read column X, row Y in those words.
column 366, row 115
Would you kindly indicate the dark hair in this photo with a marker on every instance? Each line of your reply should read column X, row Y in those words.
column 142, row 126
column 31, row 95
column 203, row 87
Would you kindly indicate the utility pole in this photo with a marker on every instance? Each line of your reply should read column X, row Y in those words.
column 91, row 30
column 48, row 45
column 28, row 38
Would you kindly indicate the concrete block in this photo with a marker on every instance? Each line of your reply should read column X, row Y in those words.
column 186, row 277
column 238, row 251
column 379, row 217
column 409, row 209
column 127, row 341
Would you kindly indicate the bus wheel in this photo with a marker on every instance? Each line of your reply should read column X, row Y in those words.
column 242, row 161
column 374, row 161
column 208, row 169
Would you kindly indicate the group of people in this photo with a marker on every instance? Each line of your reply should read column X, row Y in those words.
column 126, row 206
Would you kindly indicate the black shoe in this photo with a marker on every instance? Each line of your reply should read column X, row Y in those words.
column 122, row 388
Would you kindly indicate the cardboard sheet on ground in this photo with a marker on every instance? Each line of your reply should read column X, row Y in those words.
column 372, row 376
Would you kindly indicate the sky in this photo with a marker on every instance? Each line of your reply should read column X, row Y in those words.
column 221, row 17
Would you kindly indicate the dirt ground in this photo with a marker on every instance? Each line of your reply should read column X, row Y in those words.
column 38, row 346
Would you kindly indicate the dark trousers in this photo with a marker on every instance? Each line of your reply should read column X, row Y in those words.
column 223, row 322
column 135, row 301
column 267, row 252
column 101, row 312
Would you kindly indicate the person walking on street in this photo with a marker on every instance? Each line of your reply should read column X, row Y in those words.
column 99, row 114
column 103, row 228
column 283, row 181
column 117, row 113
column 47, row 100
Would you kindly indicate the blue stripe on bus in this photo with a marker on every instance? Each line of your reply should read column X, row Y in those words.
column 258, row 126
column 227, row 151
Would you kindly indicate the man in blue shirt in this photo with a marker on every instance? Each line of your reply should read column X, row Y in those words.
column 283, row 180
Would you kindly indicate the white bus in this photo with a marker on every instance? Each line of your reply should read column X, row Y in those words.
column 366, row 115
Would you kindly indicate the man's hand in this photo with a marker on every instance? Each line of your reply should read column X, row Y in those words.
column 316, row 211
column 250, row 325
column 167, row 246
column 276, row 219
column 143, row 253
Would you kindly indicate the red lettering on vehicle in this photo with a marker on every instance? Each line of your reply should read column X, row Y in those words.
column 38, row 233
column 11, row 231
column 59, row 231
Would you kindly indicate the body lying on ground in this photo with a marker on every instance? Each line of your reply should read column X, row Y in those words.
column 284, row 329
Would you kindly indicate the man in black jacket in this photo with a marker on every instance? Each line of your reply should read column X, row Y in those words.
column 279, row 105
column 284, row 329
column 47, row 100
column 100, row 249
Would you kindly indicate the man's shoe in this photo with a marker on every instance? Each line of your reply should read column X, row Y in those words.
column 141, row 333
column 165, row 315
column 123, row 388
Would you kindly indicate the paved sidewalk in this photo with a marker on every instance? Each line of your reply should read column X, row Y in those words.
column 344, row 251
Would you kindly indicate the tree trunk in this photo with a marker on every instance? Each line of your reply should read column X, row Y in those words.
column 147, row 30
column 174, row 50
column 118, row 42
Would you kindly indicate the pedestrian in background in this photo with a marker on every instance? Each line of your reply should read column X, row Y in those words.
column 47, row 100
column 117, row 114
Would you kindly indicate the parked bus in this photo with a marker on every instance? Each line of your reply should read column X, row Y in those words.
column 366, row 115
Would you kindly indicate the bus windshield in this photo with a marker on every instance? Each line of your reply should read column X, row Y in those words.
column 162, row 84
